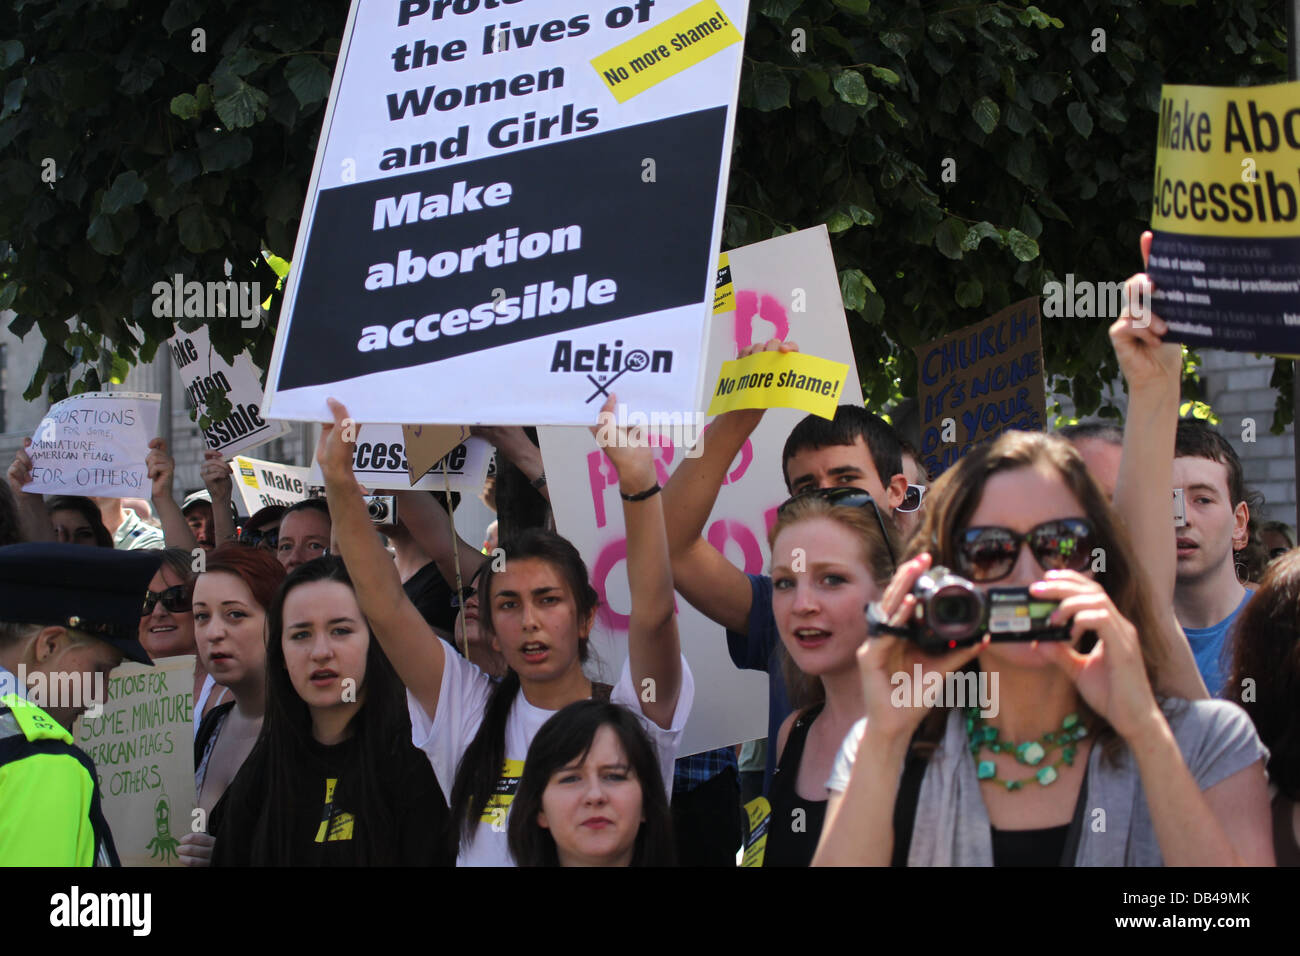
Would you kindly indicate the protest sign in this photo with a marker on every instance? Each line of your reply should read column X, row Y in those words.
column 380, row 464
column 426, row 445
column 204, row 373
column 780, row 380
column 143, row 749
column 95, row 443
column 980, row 381
column 783, row 288
column 522, row 205
column 1225, row 258
column 264, row 483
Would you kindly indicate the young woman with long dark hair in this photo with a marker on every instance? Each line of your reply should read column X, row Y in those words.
column 1075, row 726
column 333, row 779
column 539, row 608
column 591, row 793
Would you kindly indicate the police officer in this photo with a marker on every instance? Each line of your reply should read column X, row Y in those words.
column 68, row 616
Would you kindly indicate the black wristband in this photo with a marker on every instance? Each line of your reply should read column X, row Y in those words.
column 643, row 495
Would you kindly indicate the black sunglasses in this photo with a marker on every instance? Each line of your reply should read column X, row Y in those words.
column 467, row 592
column 258, row 539
column 175, row 599
column 990, row 553
column 848, row 498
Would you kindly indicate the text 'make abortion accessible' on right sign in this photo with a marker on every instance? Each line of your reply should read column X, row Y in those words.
column 515, row 206
column 1225, row 259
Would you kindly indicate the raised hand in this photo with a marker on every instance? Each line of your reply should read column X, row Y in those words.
column 1137, row 336
column 627, row 448
column 20, row 472
column 337, row 445
column 161, row 467
column 216, row 476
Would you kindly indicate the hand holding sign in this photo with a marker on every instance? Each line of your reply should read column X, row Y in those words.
column 20, row 472
column 162, row 468
column 337, row 446
column 627, row 448
column 1144, row 358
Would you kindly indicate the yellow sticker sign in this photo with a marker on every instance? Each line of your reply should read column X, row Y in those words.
column 780, row 380
column 679, row 42
column 1228, row 161
column 724, row 292
column 759, row 812
column 498, row 805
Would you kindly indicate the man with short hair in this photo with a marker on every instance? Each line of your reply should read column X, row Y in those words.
column 1101, row 446
column 856, row 449
column 70, row 616
column 1207, row 593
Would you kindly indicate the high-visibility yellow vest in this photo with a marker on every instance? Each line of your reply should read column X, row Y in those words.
column 49, row 795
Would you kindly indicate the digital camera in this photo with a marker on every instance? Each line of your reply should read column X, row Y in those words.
column 382, row 508
column 952, row 612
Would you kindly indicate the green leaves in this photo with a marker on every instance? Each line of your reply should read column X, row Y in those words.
column 1080, row 119
column 985, row 113
column 243, row 106
column 11, row 51
column 308, row 80
column 852, row 88
column 1021, row 246
column 771, row 89
column 127, row 190
column 104, row 237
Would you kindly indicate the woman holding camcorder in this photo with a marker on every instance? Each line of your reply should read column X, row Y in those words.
column 1074, row 761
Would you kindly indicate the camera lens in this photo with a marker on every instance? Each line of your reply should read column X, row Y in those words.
column 955, row 611
column 378, row 510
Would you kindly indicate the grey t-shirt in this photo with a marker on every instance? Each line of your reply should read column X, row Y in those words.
column 1216, row 738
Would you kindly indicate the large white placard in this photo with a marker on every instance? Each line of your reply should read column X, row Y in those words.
column 512, row 207
column 204, row 372
column 783, row 288
column 95, row 443
column 380, row 464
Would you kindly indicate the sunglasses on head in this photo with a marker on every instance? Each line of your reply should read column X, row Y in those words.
column 847, row 498
column 990, row 553
column 175, row 599
column 912, row 499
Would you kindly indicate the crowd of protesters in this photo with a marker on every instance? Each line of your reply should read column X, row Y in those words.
column 393, row 694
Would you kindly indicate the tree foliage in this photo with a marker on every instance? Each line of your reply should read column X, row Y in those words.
column 174, row 157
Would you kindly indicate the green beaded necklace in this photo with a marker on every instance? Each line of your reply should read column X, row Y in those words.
column 1030, row 753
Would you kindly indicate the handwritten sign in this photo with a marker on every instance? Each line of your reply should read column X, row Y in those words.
column 95, row 443
column 263, row 483
column 204, row 374
column 980, row 381
column 380, row 463
column 143, row 750
column 780, row 380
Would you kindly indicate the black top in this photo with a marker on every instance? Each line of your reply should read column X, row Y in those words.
column 324, row 830
column 792, row 837
column 1029, row 847
column 431, row 595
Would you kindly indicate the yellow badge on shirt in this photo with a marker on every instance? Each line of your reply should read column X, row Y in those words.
column 498, row 805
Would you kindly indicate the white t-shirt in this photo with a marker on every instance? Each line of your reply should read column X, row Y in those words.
column 462, row 702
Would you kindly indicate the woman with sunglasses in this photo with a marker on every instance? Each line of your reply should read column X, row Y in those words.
column 230, row 602
column 167, row 626
column 1076, row 727
column 830, row 558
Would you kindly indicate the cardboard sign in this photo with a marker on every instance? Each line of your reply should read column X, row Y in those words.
column 784, row 288
column 521, row 204
column 95, row 444
column 143, row 749
column 426, row 445
column 264, row 483
column 780, row 380
column 380, row 464
column 1225, row 259
column 980, row 381
column 203, row 371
